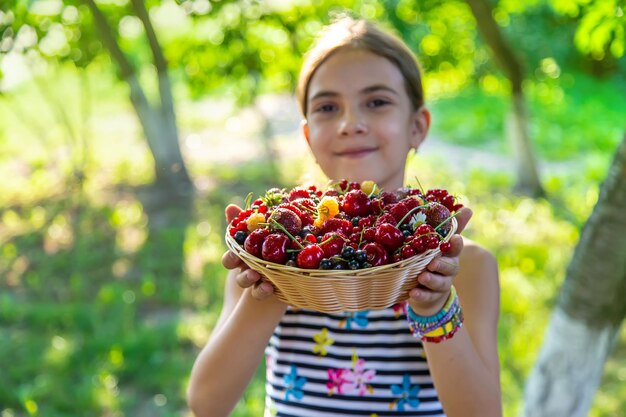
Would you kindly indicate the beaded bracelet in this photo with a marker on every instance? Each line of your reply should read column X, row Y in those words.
column 440, row 326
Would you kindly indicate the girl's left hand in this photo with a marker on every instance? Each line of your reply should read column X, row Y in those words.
column 435, row 281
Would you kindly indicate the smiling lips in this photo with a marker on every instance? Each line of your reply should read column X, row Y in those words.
column 356, row 152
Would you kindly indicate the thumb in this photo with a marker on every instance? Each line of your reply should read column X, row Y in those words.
column 231, row 211
column 463, row 218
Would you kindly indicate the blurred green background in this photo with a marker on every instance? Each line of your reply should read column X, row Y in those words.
column 110, row 277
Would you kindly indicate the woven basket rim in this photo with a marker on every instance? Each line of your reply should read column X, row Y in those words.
column 333, row 273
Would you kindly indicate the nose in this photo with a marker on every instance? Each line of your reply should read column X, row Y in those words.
column 352, row 123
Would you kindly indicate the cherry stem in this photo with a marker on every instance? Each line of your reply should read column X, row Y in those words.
column 248, row 200
column 282, row 228
column 447, row 220
column 409, row 213
column 333, row 237
column 374, row 188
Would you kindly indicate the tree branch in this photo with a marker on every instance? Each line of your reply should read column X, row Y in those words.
column 492, row 35
column 110, row 42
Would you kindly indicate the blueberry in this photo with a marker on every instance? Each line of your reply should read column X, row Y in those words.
column 355, row 221
column 360, row 255
column 366, row 265
column 326, row 264
column 291, row 262
column 353, row 264
column 240, row 236
column 347, row 252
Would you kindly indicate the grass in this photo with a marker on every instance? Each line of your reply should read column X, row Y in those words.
column 107, row 294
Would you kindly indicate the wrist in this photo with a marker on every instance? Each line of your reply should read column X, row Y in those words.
column 431, row 309
column 440, row 326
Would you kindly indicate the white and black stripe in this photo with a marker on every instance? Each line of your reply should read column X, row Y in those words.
column 380, row 338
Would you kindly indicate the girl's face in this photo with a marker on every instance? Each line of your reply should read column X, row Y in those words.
column 360, row 123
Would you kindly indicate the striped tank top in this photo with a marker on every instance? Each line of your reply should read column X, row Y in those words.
column 347, row 364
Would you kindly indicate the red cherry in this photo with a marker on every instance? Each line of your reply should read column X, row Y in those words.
column 310, row 257
column 389, row 236
column 376, row 254
column 332, row 242
column 356, row 203
column 253, row 242
column 274, row 248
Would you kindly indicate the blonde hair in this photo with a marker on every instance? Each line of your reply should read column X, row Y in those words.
column 346, row 32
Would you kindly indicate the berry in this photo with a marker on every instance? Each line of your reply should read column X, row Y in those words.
column 331, row 243
column 356, row 203
column 287, row 219
column 389, row 236
column 326, row 263
column 388, row 198
column 398, row 211
column 347, row 252
column 240, row 237
column 253, row 242
column 310, row 257
column 360, row 255
column 437, row 213
column 298, row 193
column 376, row 254
column 335, row 224
column 274, row 248
column 445, row 247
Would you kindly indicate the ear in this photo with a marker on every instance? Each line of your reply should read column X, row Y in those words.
column 420, row 123
column 305, row 130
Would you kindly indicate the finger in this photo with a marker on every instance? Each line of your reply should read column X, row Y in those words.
column 456, row 247
column 448, row 267
column 464, row 216
column 231, row 211
column 248, row 278
column 426, row 297
column 262, row 290
column 231, row 261
column 434, row 282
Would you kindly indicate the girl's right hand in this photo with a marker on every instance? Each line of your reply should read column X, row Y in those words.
column 246, row 277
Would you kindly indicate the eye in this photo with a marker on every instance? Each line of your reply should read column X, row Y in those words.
column 377, row 102
column 325, row 108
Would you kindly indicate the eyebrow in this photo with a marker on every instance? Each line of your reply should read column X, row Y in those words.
column 366, row 90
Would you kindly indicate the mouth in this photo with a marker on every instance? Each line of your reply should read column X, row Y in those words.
column 355, row 152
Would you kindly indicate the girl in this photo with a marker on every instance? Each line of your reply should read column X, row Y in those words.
column 361, row 97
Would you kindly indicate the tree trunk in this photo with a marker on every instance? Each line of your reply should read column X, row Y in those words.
column 528, row 181
column 527, row 177
column 589, row 312
column 158, row 122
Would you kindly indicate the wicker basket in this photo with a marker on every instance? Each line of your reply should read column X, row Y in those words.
column 333, row 291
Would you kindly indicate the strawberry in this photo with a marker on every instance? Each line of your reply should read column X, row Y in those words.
column 436, row 214
column 337, row 225
column 388, row 197
column 298, row 192
column 287, row 218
